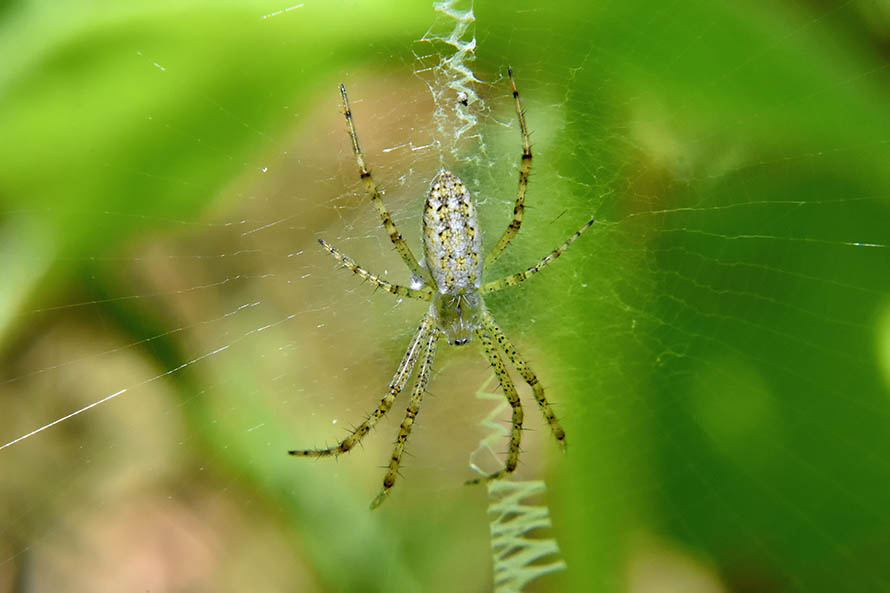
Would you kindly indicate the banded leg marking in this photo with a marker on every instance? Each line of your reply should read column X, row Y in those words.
column 423, row 377
column 527, row 374
column 525, row 167
column 512, row 397
column 399, row 380
column 423, row 294
column 377, row 199
column 521, row 276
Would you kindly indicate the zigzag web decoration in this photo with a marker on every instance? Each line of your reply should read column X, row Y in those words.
column 451, row 42
column 518, row 558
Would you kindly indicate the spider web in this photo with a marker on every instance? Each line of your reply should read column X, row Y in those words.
column 717, row 345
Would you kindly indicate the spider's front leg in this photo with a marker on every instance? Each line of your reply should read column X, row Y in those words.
column 406, row 367
column 423, row 377
column 527, row 374
column 512, row 397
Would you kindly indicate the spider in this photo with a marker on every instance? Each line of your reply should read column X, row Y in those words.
column 450, row 279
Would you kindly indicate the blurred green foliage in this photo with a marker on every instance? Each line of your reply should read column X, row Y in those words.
column 721, row 374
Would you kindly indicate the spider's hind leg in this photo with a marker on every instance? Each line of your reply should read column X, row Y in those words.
column 525, row 167
column 377, row 198
column 512, row 397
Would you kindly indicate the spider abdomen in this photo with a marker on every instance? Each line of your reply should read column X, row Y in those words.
column 451, row 239
column 451, row 246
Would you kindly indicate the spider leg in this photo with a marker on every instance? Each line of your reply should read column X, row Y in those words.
column 512, row 397
column 491, row 325
column 399, row 380
column 520, row 276
column 423, row 376
column 525, row 168
column 423, row 294
column 377, row 199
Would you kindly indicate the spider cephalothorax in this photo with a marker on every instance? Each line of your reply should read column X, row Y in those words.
column 458, row 316
column 451, row 280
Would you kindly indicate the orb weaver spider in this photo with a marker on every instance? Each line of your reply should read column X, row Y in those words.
column 451, row 280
